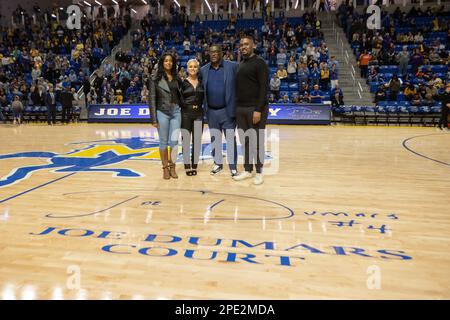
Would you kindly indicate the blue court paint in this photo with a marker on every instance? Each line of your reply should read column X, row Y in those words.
column 108, row 248
column 66, row 162
column 40, row 186
column 190, row 254
column 170, row 252
column 203, row 192
column 422, row 155
column 52, row 215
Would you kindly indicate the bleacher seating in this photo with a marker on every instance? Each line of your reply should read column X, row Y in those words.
column 434, row 35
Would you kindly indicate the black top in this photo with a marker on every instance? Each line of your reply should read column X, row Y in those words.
column 173, row 86
column 192, row 96
column 66, row 99
column 252, row 84
column 444, row 98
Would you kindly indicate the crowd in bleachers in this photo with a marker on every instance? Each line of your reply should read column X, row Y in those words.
column 293, row 48
column 42, row 51
column 406, row 63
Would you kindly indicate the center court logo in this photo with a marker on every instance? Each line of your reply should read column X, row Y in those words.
column 94, row 157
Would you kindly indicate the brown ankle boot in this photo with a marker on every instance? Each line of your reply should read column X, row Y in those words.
column 172, row 171
column 173, row 154
column 165, row 162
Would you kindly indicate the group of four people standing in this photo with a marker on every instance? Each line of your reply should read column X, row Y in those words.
column 230, row 93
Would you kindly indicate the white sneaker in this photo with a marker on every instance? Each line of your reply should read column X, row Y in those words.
column 258, row 179
column 242, row 176
column 216, row 169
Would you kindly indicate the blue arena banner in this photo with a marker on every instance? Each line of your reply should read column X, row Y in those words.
column 119, row 113
column 289, row 113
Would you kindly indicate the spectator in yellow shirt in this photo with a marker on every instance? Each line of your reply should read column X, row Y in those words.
column 436, row 24
column 282, row 73
column 324, row 77
column 410, row 91
column 119, row 96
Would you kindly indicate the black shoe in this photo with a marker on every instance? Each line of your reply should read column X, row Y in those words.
column 194, row 172
column 187, row 167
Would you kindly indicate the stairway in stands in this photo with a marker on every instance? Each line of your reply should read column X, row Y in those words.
column 125, row 43
column 356, row 91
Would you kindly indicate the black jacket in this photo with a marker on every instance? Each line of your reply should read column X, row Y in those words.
column 66, row 99
column 48, row 99
column 38, row 99
column 86, row 87
column 192, row 96
column 160, row 97
column 98, row 82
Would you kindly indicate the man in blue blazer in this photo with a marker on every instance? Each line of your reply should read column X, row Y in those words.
column 219, row 82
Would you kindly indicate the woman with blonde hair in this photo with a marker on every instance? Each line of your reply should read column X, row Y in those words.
column 192, row 117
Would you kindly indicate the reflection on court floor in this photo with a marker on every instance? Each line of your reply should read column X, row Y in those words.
column 349, row 212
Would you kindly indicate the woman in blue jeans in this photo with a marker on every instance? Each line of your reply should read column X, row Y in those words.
column 165, row 98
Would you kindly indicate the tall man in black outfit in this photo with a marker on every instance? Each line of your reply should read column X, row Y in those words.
column 252, row 108
column 86, row 89
column 445, row 99
column 67, row 105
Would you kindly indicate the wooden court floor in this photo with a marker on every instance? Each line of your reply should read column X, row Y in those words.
column 345, row 212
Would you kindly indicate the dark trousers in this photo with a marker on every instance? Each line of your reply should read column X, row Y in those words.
column 321, row 7
column 443, row 121
column 364, row 71
column 252, row 137
column 393, row 96
column 51, row 114
column 219, row 121
column 192, row 123
column 337, row 102
column 66, row 114
column 272, row 61
column 324, row 84
column 276, row 94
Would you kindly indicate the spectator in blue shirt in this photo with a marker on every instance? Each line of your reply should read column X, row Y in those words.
column 281, row 58
column 132, row 93
column 303, row 73
column 315, row 74
column 316, row 95
column 123, row 74
column 108, row 68
column 304, row 93
column 284, row 99
column 73, row 78
column 332, row 61
column 323, row 56
column 66, row 82
column 337, row 96
column 334, row 76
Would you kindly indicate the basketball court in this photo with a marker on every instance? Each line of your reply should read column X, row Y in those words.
column 345, row 212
